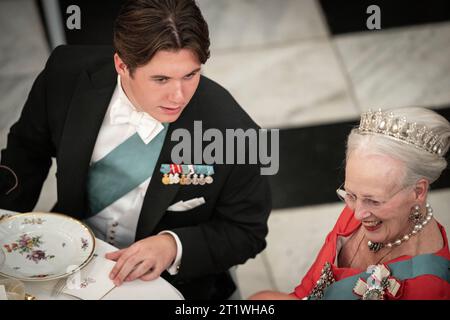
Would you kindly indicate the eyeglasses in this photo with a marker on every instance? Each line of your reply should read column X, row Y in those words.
column 368, row 203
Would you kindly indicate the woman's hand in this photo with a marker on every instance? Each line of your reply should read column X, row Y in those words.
column 145, row 259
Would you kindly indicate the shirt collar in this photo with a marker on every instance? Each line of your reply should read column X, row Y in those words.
column 123, row 103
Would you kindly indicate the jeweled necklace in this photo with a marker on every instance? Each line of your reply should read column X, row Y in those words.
column 421, row 223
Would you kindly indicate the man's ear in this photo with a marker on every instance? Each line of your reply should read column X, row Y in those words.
column 421, row 190
column 120, row 66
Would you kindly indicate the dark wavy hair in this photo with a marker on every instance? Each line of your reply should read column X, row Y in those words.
column 143, row 27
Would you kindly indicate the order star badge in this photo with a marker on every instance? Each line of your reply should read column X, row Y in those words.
column 378, row 283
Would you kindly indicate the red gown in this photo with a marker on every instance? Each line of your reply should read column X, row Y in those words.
column 411, row 289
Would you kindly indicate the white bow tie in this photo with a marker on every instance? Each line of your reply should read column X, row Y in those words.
column 146, row 126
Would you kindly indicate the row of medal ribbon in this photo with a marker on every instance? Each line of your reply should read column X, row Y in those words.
column 186, row 174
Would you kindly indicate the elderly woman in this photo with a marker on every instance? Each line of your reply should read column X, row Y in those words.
column 386, row 243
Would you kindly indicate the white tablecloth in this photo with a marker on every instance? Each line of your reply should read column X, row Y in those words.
column 158, row 289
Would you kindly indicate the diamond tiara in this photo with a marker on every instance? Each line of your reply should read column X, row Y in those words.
column 397, row 128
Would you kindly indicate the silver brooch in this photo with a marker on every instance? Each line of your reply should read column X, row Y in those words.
column 378, row 283
column 325, row 280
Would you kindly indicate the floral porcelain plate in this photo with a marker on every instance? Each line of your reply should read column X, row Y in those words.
column 43, row 246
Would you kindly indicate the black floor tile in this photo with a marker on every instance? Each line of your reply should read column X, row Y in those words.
column 97, row 20
column 350, row 15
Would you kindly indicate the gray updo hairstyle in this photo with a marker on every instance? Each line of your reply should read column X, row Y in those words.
column 419, row 163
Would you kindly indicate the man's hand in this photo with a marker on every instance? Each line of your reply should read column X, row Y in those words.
column 145, row 259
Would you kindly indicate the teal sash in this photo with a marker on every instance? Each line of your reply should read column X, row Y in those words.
column 122, row 170
column 429, row 264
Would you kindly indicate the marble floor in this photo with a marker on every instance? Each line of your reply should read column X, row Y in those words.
column 24, row 52
column 415, row 58
column 288, row 69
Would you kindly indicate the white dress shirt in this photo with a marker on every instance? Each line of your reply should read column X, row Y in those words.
column 117, row 223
